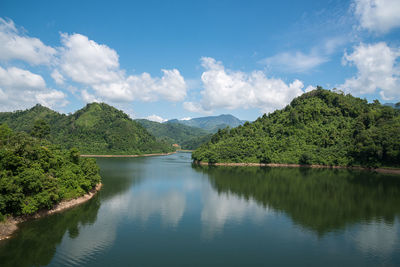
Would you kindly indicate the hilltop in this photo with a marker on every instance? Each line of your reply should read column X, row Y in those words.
column 319, row 127
column 97, row 128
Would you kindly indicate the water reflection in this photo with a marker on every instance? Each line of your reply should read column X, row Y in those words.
column 319, row 200
column 220, row 208
column 36, row 241
column 164, row 211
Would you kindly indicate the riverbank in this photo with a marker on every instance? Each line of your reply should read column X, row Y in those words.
column 127, row 156
column 8, row 227
column 380, row 170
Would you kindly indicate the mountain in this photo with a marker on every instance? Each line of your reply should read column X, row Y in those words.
column 393, row 105
column 187, row 137
column 211, row 123
column 319, row 127
column 95, row 129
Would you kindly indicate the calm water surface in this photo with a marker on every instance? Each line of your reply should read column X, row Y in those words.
column 162, row 211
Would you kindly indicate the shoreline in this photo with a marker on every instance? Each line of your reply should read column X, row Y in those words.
column 8, row 227
column 315, row 166
column 127, row 156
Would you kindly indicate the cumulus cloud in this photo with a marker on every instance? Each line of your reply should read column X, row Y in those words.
column 87, row 62
column 297, row 62
column 224, row 88
column 57, row 77
column 309, row 88
column 377, row 70
column 19, row 79
column 379, row 16
column 155, row 118
column 15, row 45
column 88, row 97
column 21, row 88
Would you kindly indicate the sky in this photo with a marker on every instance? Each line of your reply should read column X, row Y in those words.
column 182, row 59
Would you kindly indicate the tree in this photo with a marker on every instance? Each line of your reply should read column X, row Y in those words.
column 41, row 129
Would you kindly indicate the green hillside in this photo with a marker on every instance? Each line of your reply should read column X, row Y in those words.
column 211, row 123
column 319, row 127
column 34, row 174
column 174, row 133
column 95, row 129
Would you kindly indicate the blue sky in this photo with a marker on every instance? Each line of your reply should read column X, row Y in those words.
column 179, row 59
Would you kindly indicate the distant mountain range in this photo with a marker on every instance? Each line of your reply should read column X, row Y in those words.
column 393, row 105
column 211, row 123
column 189, row 134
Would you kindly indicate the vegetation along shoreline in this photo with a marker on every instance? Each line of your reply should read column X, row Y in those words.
column 10, row 225
column 252, row 164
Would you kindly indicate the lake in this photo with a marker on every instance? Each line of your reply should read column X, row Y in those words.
column 164, row 211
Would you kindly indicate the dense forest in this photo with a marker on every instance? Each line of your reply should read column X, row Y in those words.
column 187, row 137
column 319, row 127
column 211, row 124
column 95, row 129
column 35, row 174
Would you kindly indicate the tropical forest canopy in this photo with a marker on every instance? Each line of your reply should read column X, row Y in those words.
column 34, row 174
column 187, row 137
column 319, row 127
column 95, row 129
column 211, row 124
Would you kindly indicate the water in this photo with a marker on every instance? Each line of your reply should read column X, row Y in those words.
column 164, row 211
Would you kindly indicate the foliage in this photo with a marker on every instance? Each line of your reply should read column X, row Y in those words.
column 96, row 129
column 211, row 124
column 187, row 137
column 319, row 127
column 35, row 174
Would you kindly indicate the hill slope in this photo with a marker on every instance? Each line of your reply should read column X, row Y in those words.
column 187, row 137
column 34, row 174
column 95, row 129
column 319, row 127
column 211, row 123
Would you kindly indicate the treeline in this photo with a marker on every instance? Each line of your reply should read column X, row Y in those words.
column 95, row 129
column 34, row 174
column 319, row 127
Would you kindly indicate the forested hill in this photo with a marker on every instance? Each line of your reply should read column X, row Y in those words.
column 319, row 127
column 95, row 129
column 211, row 123
column 34, row 174
column 187, row 137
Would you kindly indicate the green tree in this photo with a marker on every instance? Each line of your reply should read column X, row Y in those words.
column 41, row 129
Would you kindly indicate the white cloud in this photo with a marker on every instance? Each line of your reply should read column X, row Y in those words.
column 21, row 88
column 195, row 107
column 87, row 62
column 377, row 70
column 155, row 118
column 378, row 16
column 229, row 89
column 297, row 62
column 186, row 119
column 14, row 45
column 309, row 88
column 88, row 97
column 51, row 98
column 57, row 77
column 19, row 79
